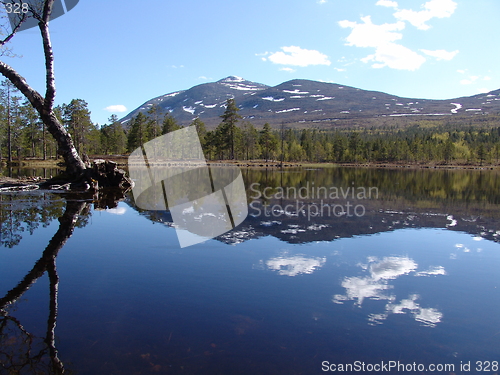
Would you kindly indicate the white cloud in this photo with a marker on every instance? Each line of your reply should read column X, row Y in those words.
column 469, row 80
column 116, row 108
column 322, row 1
column 340, row 69
column 387, row 3
column 440, row 54
column 384, row 38
column 367, row 34
column 395, row 56
column 289, row 70
column 297, row 56
column 473, row 79
column 432, row 9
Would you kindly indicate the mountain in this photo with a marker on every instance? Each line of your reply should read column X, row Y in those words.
column 303, row 102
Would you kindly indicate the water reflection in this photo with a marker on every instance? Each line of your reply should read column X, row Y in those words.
column 458, row 200
column 24, row 172
column 24, row 213
column 291, row 294
column 428, row 317
column 376, row 286
column 294, row 265
column 20, row 350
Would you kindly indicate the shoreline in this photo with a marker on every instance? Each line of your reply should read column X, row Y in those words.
column 121, row 161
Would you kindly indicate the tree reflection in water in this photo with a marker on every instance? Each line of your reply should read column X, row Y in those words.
column 20, row 351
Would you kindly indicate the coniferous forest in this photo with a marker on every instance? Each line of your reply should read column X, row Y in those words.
column 457, row 140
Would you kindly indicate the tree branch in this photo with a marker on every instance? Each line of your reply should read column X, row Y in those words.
column 11, row 35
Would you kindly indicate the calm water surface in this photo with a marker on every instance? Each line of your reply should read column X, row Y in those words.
column 415, row 279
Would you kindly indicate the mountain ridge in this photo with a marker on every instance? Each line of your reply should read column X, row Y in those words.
column 301, row 103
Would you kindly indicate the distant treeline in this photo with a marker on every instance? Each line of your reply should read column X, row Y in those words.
column 452, row 140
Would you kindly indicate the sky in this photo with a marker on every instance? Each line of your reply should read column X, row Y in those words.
column 116, row 55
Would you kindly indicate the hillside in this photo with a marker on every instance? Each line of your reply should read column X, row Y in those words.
column 304, row 102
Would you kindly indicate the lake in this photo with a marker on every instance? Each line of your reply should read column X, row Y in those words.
column 334, row 269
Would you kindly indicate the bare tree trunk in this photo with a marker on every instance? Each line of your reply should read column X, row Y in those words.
column 9, row 128
column 43, row 143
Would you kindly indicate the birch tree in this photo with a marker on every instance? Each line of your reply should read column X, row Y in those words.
column 44, row 104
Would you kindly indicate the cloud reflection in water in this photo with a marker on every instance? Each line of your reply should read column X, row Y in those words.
column 294, row 265
column 376, row 286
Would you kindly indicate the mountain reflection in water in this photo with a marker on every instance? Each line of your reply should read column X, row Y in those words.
column 459, row 200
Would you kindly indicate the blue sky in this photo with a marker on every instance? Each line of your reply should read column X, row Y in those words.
column 118, row 54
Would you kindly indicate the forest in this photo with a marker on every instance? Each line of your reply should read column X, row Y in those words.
column 454, row 140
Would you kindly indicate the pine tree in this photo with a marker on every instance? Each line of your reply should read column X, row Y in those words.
column 339, row 147
column 200, row 129
column 250, row 137
column 137, row 134
column 229, row 119
column 76, row 117
column 9, row 103
column 169, row 124
column 268, row 141
column 31, row 129
column 354, row 145
column 117, row 139
column 153, row 127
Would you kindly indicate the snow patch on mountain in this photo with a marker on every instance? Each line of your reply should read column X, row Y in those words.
column 272, row 99
column 296, row 91
column 233, row 79
column 288, row 110
column 238, row 83
column 243, row 87
column 172, row 94
column 189, row 109
column 457, row 107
